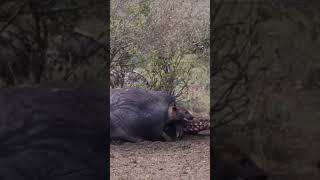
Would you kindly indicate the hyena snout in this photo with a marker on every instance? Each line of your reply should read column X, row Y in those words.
column 187, row 115
column 180, row 113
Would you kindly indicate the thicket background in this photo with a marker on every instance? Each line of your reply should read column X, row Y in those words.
column 162, row 45
column 266, row 77
column 43, row 41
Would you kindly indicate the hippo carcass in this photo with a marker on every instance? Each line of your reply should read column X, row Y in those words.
column 137, row 114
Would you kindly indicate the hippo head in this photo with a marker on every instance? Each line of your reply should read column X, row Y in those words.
column 232, row 164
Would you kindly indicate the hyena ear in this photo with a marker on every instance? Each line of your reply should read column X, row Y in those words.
column 172, row 104
column 172, row 107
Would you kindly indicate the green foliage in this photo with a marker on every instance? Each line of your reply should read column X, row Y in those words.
column 168, row 74
column 158, row 44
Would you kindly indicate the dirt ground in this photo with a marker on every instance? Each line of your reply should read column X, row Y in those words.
column 188, row 158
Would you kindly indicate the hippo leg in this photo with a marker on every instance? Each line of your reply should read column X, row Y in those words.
column 174, row 129
column 119, row 134
column 132, row 139
column 127, row 139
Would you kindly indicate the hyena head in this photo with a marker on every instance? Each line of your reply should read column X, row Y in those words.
column 177, row 113
column 232, row 164
column 177, row 119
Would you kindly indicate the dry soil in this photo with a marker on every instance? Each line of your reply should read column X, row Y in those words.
column 188, row 158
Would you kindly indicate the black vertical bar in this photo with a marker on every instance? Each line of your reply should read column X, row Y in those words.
column 108, row 84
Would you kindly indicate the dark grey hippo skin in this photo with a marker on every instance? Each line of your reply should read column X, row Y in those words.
column 137, row 114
